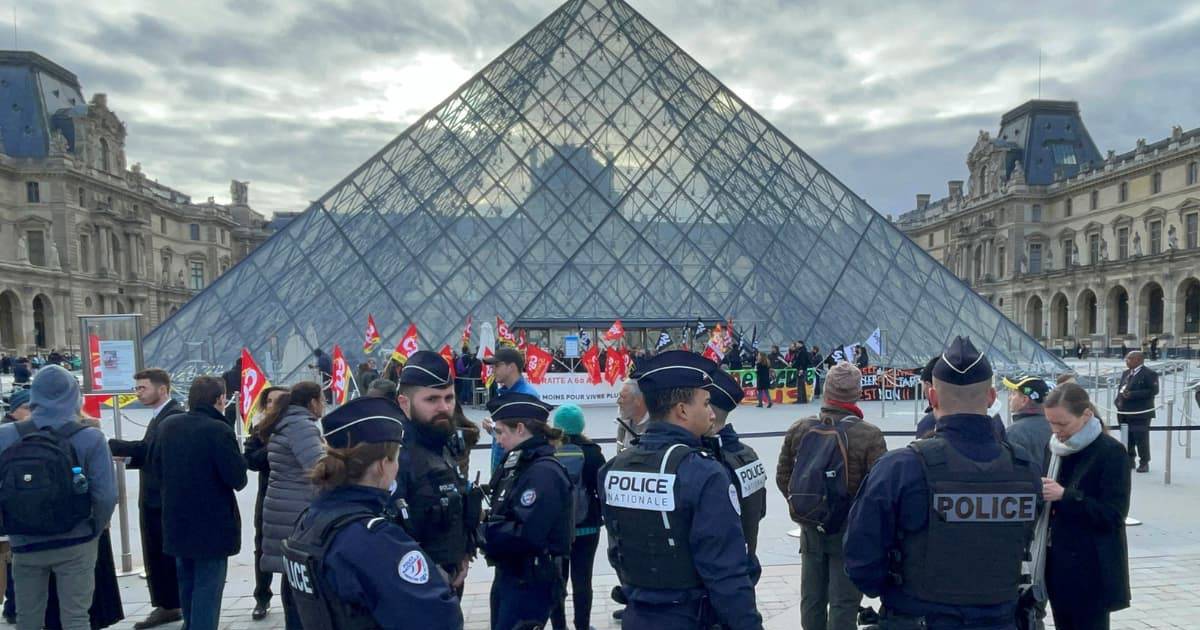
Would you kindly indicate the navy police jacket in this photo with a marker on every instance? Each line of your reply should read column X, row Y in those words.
column 373, row 568
column 718, row 547
column 533, row 517
column 895, row 498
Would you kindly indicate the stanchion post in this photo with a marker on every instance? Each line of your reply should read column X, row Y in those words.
column 1170, row 439
column 122, row 502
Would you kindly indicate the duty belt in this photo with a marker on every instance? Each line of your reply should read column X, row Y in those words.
column 939, row 621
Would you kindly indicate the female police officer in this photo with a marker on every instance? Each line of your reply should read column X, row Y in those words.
column 349, row 567
column 528, row 531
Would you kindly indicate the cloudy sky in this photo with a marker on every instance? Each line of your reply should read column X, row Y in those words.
column 888, row 95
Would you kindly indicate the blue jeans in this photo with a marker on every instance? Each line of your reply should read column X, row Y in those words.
column 201, row 584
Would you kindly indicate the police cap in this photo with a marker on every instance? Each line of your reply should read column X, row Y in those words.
column 726, row 391
column 962, row 364
column 514, row 406
column 1034, row 387
column 675, row 369
column 363, row 420
column 426, row 369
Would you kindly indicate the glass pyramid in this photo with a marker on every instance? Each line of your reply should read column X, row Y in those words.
column 592, row 171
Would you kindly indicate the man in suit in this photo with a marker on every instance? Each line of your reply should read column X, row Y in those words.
column 153, row 389
column 1135, row 402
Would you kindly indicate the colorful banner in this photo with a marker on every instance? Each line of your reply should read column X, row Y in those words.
column 253, row 382
column 890, row 383
column 340, row 378
column 558, row 388
column 783, row 387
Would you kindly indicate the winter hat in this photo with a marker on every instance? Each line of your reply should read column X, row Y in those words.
column 55, row 394
column 569, row 418
column 843, row 383
column 18, row 398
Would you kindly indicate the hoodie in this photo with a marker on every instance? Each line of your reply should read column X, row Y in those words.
column 55, row 401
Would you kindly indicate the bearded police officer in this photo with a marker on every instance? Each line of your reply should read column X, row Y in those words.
column 432, row 497
column 939, row 529
column 528, row 532
column 349, row 566
column 675, row 535
column 748, row 472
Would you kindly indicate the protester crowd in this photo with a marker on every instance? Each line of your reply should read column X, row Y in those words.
column 368, row 517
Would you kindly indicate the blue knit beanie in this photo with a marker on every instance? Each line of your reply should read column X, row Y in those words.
column 569, row 418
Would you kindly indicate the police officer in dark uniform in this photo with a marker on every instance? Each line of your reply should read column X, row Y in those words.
column 939, row 529
column 350, row 566
column 747, row 470
column 432, row 497
column 528, row 531
column 675, row 534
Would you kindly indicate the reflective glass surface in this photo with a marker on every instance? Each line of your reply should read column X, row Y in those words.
column 592, row 171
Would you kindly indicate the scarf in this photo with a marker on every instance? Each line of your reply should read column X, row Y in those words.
column 1081, row 440
column 845, row 406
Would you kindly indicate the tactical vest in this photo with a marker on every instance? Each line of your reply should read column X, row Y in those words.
column 750, row 479
column 303, row 558
column 643, row 518
column 435, row 504
column 515, row 464
column 981, row 519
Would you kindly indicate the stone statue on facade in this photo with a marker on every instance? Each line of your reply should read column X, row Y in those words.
column 52, row 260
column 1172, row 238
column 239, row 192
column 1137, row 244
column 58, row 143
column 179, row 278
column 1023, row 264
column 1018, row 174
column 22, row 249
column 1103, row 250
column 1074, row 254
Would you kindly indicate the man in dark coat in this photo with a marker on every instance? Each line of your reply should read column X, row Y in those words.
column 200, row 463
column 801, row 360
column 1135, row 402
column 153, row 389
column 325, row 367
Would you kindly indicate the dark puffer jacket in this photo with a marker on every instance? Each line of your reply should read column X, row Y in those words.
column 292, row 451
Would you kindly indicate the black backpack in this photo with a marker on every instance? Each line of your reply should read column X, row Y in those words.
column 571, row 458
column 818, row 492
column 38, row 496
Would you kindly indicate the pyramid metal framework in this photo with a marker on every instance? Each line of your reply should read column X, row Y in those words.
column 592, row 171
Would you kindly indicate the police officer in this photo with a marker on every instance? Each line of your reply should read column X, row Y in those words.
column 351, row 567
column 432, row 497
column 747, row 470
column 939, row 529
column 529, row 528
column 675, row 535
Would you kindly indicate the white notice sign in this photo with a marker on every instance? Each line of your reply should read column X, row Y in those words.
column 118, row 364
column 752, row 477
column 640, row 491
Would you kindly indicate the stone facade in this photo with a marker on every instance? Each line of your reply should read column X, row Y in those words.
column 1089, row 250
column 82, row 233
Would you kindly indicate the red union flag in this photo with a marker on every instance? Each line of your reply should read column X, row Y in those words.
column 341, row 374
column 371, row 339
column 253, row 382
column 466, row 336
column 614, row 332
column 448, row 355
column 521, row 340
column 407, row 346
column 485, row 370
column 503, row 333
column 537, row 363
column 591, row 361
column 614, row 365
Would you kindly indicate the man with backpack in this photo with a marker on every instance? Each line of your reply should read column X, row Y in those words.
column 939, row 529
column 59, row 491
column 745, row 468
column 823, row 461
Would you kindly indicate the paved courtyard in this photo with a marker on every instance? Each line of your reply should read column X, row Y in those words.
column 1165, row 551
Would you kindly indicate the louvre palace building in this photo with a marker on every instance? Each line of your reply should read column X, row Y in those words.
column 1075, row 246
column 82, row 232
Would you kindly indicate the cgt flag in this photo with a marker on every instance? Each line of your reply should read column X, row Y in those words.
column 614, row 365
column 371, row 338
column 537, row 363
column 521, row 340
column 339, row 380
column 448, row 355
column 408, row 345
column 486, row 371
column 253, row 382
column 503, row 334
column 614, row 332
column 466, row 334
column 591, row 361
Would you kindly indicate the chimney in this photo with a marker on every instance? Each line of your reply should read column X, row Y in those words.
column 955, row 188
column 922, row 201
column 100, row 99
